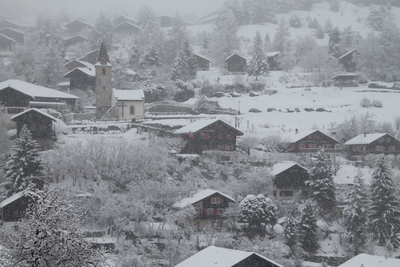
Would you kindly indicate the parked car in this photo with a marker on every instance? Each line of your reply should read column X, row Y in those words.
column 254, row 94
column 375, row 85
column 297, row 109
column 234, row 94
column 271, row 109
column 255, row 110
column 218, row 94
column 321, row 110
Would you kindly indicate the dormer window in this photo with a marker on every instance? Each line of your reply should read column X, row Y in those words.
column 103, row 61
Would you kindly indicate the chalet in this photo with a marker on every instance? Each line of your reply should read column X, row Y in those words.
column 236, row 64
column 78, row 64
column 289, row 179
column 345, row 80
column 16, row 35
column 122, row 18
column 347, row 61
column 167, row 21
column 209, row 205
column 76, row 39
column 203, row 63
column 7, row 23
column 77, row 26
column 273, row 60
column 39, row 123
column 366, row 260
column 12, row 209
column 90, row 57
column 127, row 27
column 17, row 96
column 204, row 135
column 309, row 142
column 7, row 44
column 376, row 143
column 223, row 257
column 82, row 78
column 129, row 104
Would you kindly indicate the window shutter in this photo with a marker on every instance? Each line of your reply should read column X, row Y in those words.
column 200, row 211
column 205, row 211
column 210, row 200
column 221, row 200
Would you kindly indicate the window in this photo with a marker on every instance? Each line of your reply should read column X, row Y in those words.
column 387, row 139
column 392, row 148
column 103, row 71
column 206, row 136
column 103, row 61
column 132, row 110
column 210, row 211
column 286, row 193
column 221, row 211
column 379, row 148
column 215, row 200
column 228, row 136
column 14, row 110
column 220, row 136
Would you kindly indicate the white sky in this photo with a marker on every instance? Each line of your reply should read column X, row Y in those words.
column 90, row 9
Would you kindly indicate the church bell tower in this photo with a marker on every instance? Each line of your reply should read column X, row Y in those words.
column 103, row 82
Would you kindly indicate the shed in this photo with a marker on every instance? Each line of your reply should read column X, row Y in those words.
column 14, row 34
column 345, row 79
column 12, row 209
column 7, row 44
column 203, row 63
column 236, row 64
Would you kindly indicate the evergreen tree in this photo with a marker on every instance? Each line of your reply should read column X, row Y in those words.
column 291, row 231
column 256, row 210
column 146, row 15
column 258, row 65
column 334, row 43
column 5, row 142
column 185, row 66
column 321, row 182
column 133, row 61
column 356, row 213
column 176, row 36
column 50, row 33
column 150, row 58
column 385, row 206
column 328, row 26
column 281, row 36
column 202, row 105
column 308, row 227
column 24, row 167
column 51, row 68
column 103, row 31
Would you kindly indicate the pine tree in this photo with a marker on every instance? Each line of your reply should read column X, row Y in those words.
column 356, row 213
column 385, row 206
column 281, row 36
column 176, row 36
column 308, row 227
column 133, row 61
column 185, row 66
column 334, row 43
column 24, row 167
column 150, row 58
column 291, row 231
column 258, row 65
column 321, row 182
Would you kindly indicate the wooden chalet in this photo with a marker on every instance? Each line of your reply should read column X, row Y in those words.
column 236, row 64
column 17, row 96
column 203, row 63
column 223, row 257
column 7, row 23
column 209, row 205
column 167, row 21
column 129, row 104
column 273, row 60
column 7, row 44
column 123, row 18
column 13, row 209
column 366, row 260
column 345, row 80
column 127, row 27
column 39, row 123
column 90, row 57
column 82, row 78
column 375, row 143
column 289, row 179
column 309, row 142
column 204, row 135
column 348, row 62
column 16, row 35
column 77, row 26
column 76, row 39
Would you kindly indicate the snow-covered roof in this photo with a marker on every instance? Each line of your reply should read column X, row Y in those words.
column 366, row 260
column 220, row 257
column 79, row 21
column 203, row 57
column 11, row 29
column 200, row 124
column 233, row 55
column 272, row 54
column 89, row 72
column 127, row 18
column 283, row 166
column 11, row 199
column 294, row 137
column 75, row 36
column 364, row 139
column 34, row 90
column 345, row 75
column 351, row 51
column 197, row 197
column 129, row 23
column 33, row 110
column 8, row 38
column 128, row 94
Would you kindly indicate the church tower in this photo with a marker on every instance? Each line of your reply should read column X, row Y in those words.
column 103, row 82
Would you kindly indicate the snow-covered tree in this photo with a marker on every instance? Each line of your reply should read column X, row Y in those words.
column 258, row 66
column 281, row 36
column 291, row 231
column 5, row 142
column 175, row 39
column 202, row 105
column 334, row 43
column 24, row 167
column 146, row 15
column 385, row 206
column 257, row 210
column 51, row 69
column 133, row 60
column 308, row 227
column 50, row 33
column 51, row 235
column 321, row 182
column 185, row 64
column 356, row 213
column 103, row 31
column 150, row 58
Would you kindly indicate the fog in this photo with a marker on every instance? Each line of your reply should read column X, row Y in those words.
column 89, row 10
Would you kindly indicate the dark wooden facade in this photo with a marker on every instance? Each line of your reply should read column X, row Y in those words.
column 127, row 27
column 77, row 26
column 39, row 124
column 74, row 40
column 121, row 19
column 290, row 181
column 80, row 80
column 345, row 80
column 386, row 144
column 216, row 136
column 74, row 64
column 311, row 142
column 202, row 62
column 14, row 211
column 236, row 64
column 18, row 36
column 6, row 23
column 212, row 207
column 347, row 61
column 273, row 60
column 6, row 43
column 90, row 57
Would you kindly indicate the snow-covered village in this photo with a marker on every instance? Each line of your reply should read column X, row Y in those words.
column 224, row 133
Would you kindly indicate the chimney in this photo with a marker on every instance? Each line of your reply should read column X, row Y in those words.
column 180, row 197
column 365, row 134
column 296, row 131
column 191, row 193
column 333, row 134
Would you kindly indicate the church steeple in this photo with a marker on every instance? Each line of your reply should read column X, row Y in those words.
column 102, row 57
column 103, row 82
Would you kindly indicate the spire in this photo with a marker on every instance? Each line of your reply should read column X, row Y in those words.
column 102, row 58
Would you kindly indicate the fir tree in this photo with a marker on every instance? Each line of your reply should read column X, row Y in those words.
column 321, row 182
column 185, row 66
column 385, row 206
column 334, row 43
column 24, row 167
column 176, row 36
column 356, row 213
column 103, row 31
column 308, row 227
column 258, row 65
column 133, row 61
column 151, row 58
column 281, row 36
column 291, row 231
